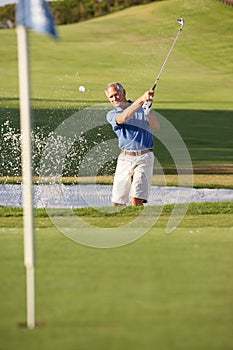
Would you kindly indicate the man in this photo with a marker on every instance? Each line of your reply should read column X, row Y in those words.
column 133, row 123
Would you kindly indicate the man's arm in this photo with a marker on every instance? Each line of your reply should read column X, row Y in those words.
column 153, row 120
column 132, row 108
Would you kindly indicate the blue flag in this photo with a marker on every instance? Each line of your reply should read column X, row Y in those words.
column 35, row 14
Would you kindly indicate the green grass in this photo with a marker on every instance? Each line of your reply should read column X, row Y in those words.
column 207, row 136
column 193, row 209
column 194, row 93
column 164, row 291
column 130, row 46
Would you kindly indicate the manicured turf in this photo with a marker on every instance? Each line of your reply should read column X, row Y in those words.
column 194, row 92
column 131, row 46
column 165, row 292
column 162, row 291
column 207, row 136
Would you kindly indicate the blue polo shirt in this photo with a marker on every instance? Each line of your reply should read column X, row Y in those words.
column 135, row 134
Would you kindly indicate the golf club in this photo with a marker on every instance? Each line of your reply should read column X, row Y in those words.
column 181, row 21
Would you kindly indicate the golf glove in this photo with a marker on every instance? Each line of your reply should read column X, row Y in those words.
column 147, row 107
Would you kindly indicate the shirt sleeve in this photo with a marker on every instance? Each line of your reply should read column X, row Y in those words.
column 111, row 118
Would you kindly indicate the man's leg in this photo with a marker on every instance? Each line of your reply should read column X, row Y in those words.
column 142, row 179
column 122, row 182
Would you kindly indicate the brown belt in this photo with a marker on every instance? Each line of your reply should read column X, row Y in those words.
column 137, row 153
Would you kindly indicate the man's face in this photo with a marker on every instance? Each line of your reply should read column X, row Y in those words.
column 116, row 96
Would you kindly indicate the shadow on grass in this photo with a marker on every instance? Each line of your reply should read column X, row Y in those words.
column 207, row 135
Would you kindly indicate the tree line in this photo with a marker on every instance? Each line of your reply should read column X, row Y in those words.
column 72, row 11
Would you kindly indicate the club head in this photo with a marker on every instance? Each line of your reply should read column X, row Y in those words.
column 181, row 21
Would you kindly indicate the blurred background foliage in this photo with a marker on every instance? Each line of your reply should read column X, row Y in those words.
column 72, row 11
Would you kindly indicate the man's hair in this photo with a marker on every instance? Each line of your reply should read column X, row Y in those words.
column 116, row 84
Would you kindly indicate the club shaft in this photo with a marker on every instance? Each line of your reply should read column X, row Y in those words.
column 165, row 61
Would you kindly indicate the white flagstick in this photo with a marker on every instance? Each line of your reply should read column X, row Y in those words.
column 25, row 122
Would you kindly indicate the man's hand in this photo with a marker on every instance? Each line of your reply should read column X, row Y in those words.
column 132, row 108
column 147, row 107
column 148, row 96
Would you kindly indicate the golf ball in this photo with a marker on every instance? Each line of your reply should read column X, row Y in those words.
column 81, row 88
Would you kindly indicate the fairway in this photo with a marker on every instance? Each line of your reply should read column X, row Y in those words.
column 194, row 93
column 130, row 46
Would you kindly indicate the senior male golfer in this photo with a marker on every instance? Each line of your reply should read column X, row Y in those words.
column 133, row 123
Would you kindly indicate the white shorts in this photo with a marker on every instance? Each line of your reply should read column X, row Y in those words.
column 133, row 177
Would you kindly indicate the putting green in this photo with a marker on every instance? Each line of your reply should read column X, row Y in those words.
column 163, row 291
